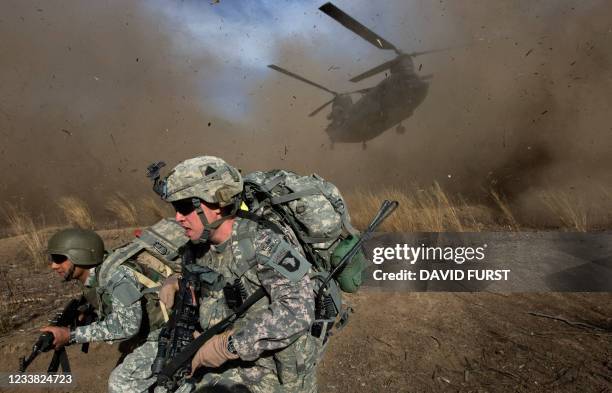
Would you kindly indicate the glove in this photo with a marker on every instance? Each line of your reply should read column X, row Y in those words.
column 213, row 353
column 168, row 289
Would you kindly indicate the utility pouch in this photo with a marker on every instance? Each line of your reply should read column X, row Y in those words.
column 234, row 294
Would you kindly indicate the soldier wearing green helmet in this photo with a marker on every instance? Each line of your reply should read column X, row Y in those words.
column 115, row 285
column 269, row 348
column 74, row 251
column 78, row 254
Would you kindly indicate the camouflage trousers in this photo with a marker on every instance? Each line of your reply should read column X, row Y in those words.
column 134, row 374
column 296, row 368
column 235, row 380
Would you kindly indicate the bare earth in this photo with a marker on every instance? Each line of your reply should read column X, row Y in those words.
column 395, row 342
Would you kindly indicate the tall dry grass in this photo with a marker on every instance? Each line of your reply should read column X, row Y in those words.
column 154, row 209
column 570, row 211
column 420, row 210
column 34, row 236
column 76, row 212
column 123, row 209
column 504, row 207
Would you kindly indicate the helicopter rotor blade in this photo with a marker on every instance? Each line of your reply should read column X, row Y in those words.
column 360, row 91
column 425, row 52
column 296, row 76
column 319, row 109
column 374, row 71
column 347, row 21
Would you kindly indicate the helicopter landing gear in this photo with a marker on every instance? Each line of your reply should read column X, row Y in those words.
column 363, row 145
column 400, row 129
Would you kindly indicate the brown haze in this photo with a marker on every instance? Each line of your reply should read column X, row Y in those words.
column 91, row 92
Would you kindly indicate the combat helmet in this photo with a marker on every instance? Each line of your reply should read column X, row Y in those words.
column 208, row 178
column 205, row 178
column 83, row 247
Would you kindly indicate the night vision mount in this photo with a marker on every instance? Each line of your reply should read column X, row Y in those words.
column 153, row 174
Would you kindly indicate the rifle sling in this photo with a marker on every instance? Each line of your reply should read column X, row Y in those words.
column 189, row 351
column 60, row 358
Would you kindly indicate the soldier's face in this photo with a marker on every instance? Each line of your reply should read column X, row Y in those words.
column 191, row 223
column 60, row 264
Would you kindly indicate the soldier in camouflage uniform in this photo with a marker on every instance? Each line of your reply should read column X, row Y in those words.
column 115, row 290
column 270, row 348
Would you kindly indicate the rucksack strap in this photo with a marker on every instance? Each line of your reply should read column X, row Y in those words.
column 277, row 200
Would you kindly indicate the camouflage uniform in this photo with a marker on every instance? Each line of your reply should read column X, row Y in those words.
column 120, row 311
column 277, row 352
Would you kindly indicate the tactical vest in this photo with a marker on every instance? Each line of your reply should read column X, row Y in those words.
column 233, row 280
column 101, row 302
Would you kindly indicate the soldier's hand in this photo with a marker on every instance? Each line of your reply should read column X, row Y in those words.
column 168, row 289
column 61, row 335
column 213, row 353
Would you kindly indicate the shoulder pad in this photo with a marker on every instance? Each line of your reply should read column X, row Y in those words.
column 123, row 286
column 244, row 240
column 116, row 259
column 275, row 252
column 163, row 239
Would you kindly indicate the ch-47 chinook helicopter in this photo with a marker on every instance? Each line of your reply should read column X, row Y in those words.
column 380, row 107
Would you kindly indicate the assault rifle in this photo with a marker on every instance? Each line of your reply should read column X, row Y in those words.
column 177, row 333
column 78, row 312
column 176, row 345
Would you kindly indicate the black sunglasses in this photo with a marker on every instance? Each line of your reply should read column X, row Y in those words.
column 57, row 258
column 184, row 206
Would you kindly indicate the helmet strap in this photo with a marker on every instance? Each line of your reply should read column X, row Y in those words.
column 69, row 273
column 209, row 227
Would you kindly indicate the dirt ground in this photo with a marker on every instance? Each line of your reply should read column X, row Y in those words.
column 396, row 342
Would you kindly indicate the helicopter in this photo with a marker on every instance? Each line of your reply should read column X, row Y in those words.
column 379, row 107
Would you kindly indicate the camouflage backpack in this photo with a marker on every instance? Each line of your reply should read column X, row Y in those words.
column 317, row 214
column 151, row 256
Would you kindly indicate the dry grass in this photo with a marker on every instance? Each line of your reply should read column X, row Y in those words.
column 154, row 209
column 420, row 210
column 503, row 206
column 7, row 313
column 123, row 209
column 76, row 212
column 569, row 210
column 34, row 236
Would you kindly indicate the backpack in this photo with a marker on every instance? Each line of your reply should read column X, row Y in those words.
column 151, row 256
column 317, row 214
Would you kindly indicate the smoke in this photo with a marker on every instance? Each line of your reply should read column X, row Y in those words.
column 93, row 92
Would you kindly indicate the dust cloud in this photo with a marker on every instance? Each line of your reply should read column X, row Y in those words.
column 91, row 93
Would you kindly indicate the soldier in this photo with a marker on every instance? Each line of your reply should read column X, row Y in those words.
column 115, row 288
column 270, row 348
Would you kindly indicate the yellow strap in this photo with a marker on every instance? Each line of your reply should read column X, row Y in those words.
column 147, row 282
column 144, row 280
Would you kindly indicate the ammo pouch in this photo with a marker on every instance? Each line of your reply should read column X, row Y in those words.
column 293, row 362
column 234, row 294
column 325, row 316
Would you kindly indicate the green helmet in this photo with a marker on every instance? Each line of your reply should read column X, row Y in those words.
column 83, row 247
column 208, row 178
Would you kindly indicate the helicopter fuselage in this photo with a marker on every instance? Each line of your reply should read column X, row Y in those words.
column 394, row 99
